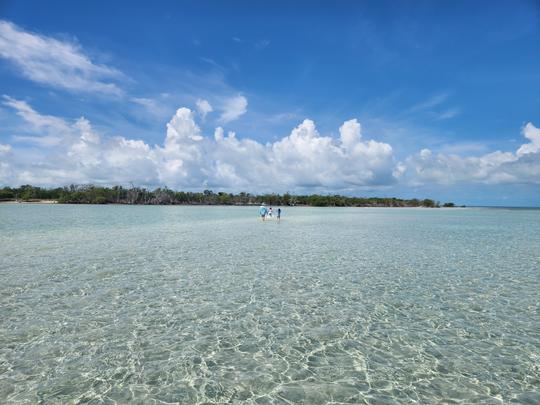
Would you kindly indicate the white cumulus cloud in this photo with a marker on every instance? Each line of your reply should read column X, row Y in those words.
column 189, row 159
column 533, row 135
column 204, row 107
column 78, row 155
column 304, row 160
column 497, row 167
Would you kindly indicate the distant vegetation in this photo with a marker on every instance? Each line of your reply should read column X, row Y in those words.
column 89, row 194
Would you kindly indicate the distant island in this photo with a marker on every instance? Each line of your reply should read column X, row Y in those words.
column 91, row 194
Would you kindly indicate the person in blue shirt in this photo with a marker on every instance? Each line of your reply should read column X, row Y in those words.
column 263, row 211
column 279, row 214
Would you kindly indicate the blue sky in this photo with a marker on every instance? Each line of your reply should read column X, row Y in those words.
column 460, row 80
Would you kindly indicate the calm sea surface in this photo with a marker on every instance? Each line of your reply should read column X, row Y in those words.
column 171, row 304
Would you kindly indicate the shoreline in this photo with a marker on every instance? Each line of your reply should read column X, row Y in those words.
column 33, row 202
column 52, row 202
column 90, row 194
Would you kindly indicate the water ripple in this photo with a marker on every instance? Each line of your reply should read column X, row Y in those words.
column 207, row 305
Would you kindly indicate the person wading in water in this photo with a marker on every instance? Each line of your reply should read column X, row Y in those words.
column 263, row 211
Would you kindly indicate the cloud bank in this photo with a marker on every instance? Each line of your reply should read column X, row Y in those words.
column 520, row 167
column 56, row 151
column 68, row 152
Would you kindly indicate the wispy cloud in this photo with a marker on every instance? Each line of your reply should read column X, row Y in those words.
column 434, row 107
column 263, row 43
column 280, row 117
column 233, row 108
column 463, row 148
column 37, row 120
column 447, row 114
column 43, row 130
column 260, row 44
column 155, row 107
column 213, row 63
column 427, row 104
column 55, row 63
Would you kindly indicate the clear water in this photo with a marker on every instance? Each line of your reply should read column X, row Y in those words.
column 117, row 304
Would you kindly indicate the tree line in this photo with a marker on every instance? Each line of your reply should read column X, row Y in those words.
column 91, row 194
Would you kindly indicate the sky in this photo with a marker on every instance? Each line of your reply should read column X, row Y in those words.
column 374, row 98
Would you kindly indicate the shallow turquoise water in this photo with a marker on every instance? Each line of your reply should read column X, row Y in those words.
column 209, row 305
